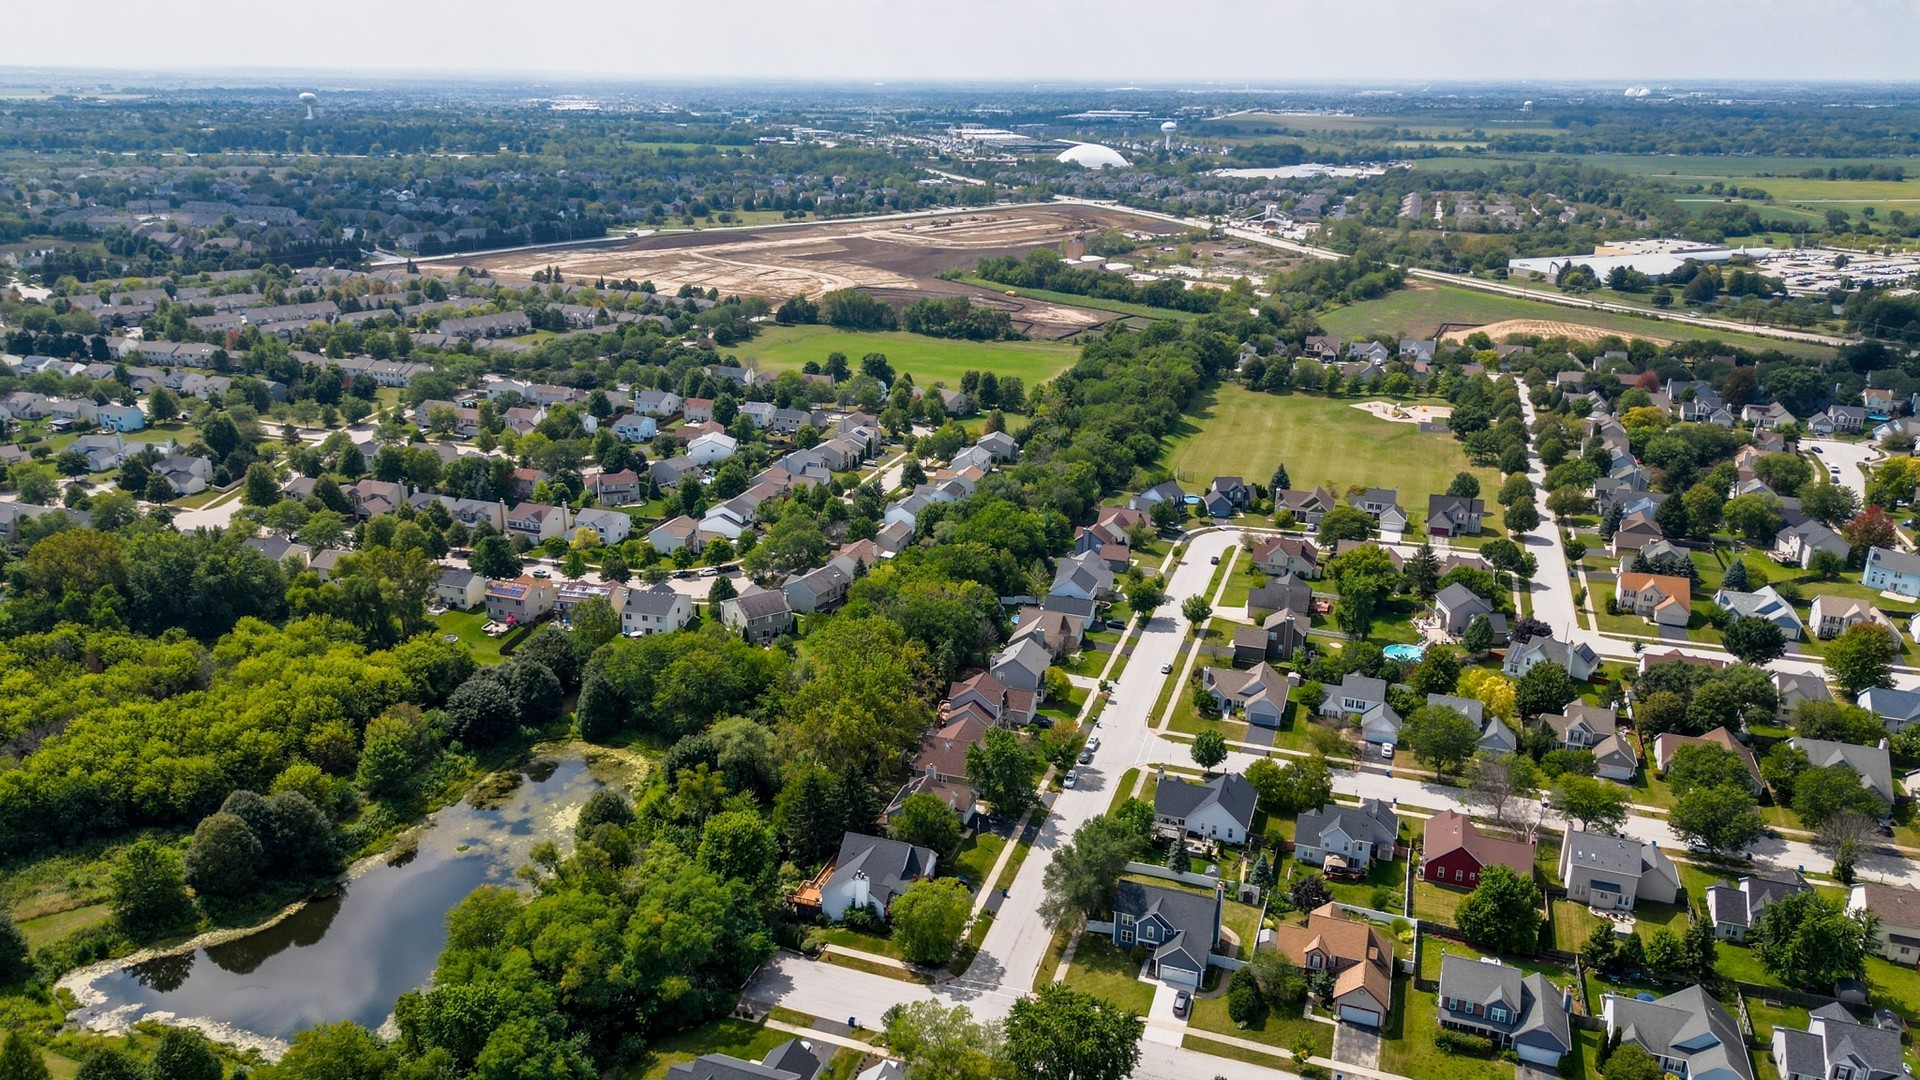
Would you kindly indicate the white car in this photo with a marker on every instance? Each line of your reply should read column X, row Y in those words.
column 1071, row 778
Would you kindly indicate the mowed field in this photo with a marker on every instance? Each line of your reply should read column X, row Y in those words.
column 928, row 360
column 1418, row 311
column 1326, row 441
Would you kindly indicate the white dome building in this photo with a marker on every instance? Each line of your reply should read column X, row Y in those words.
column 1093, row 156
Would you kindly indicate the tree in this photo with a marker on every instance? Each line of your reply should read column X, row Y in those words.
column 1502, row 785
column 344, row 1051
column 1736, row 576
column 942, row 1043
column 1179, row 860
column 1842, row 837
column 573, row 565
column 1308, row 892
column 1244, row 1002
column 224, row 857
column 1860, row 657
column 1721, row 819
column 1818, row 794
column 1492, row 690
column 1545, row 688
column 1344, row 523
column 1598, row 805
column 262, row 487
column 1365, row 578
column 1755, row 640
column 1197, row 611
column 1522, row 517
column 1871, row 528
column 150, row 889
column 1063, row 1034
column 1145, row 595
column 928, row 919
column 1080, row 879
column 1477, row 638
column 493, row 557
column 925, row 820
column 1465, row 485
column 1837, row 722
column 19, row 1060
column 15, row 961
column 1437, row 673
column 1502, row 913
column 1830, row 503
column 1005, row 772
column 1209, row 749
column 108, row 1063
column 1807, row 942
column 1281, row 481
column 1754, row 517
column 1441, row 738
column 185, row 1054
column 1423, row 570
column 1827, row 565
column 1706, row 765
column 1630, row 1062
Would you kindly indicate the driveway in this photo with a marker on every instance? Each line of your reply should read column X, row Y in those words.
column 1673, row 633
column 1162, row 1025
column 1851, row 458
column 1355, row 1045
column 1260, row 736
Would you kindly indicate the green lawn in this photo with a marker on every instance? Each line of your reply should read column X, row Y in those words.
column 976, row 856
column 48, row 929
column 1274, row 1029
column 1434, row 902
column 928, row 360
column 1406, row 1042
column 1325, row 441
column 1573, row 923
column 467, row 625
column 1106, row 972
column 735, row 1037
column 1391, row 876
column 1417, row 312
column 849, row 938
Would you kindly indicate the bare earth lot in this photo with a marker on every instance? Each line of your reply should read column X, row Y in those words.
column 895, row 259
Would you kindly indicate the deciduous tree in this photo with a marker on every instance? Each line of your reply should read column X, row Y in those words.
column 1502, row 913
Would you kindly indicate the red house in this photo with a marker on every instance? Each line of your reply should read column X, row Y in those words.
column 1456, row 851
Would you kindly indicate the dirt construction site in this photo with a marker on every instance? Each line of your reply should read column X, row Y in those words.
column 895, row 259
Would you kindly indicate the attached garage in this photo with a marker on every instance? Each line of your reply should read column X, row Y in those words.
column 1174, row 975
column 1539, row 1055
column 1355, row 1015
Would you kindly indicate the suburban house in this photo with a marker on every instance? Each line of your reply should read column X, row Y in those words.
column 1604, row 871
column 1259, row 693
column 1456, row 851
column 1892, row 571
column 658, row 402
column 634, row 427
column 791, row 1060
column 537, row 521
column 1307, row 507
column 817, row 589
column 1511, row 1008
column 1580, row 661
column 1180, row 927
column 1007, row 706
column 1582, row 726
column 1234, row 490
column 1734, row 907
column 1688, row 1033
column 1763, row 603
column 655, row 610
column 1456, row 606
column 1347, row 838
column 1280, row 594
column 1276, row 638
column 1662, row 600
column 1282, row 556
column 869, row 872
column 459, row 589
column 1454, row 515
column 185, row 473
column 615, row 488
column 120, row 418
column 571, row 594
column 1898, row 909
column 1219, row 809
column 1835, row 1046
column 758, row 615
column 1796, row 545
column 1838, row 420
column 1022, row 664
column 1383, row 506
column 1635, row 531
column 611, row 526
column 1358, row 954
column 672, row 535
column 940, row 768
column 1795, row 688
column 711, row 448
column 1366, row 698
column 1615, row 758
column 1831, row 615
column 1872, row 764
column 1669, row 743
column 1165, row 492
column 518, row 600
column 1085, row 575
column 1897, row 709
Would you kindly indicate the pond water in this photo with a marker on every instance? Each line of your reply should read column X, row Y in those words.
column 349, row 956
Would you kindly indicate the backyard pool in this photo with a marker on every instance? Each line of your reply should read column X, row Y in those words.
column 1404, row 652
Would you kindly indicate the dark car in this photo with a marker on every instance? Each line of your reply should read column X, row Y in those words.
column 1182, row 1002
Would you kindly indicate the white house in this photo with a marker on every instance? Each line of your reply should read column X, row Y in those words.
column 634, row 427
column 655, row 610
column 1356, row 836
column 1892, row 571
column 612, row 526
column 710, row 448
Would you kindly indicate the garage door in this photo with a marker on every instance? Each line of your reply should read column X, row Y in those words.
column 1537, row 1056
column 1363, row 1017
column 1176, row 976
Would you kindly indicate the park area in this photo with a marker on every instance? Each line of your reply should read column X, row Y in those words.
column 929, row 360
column 1321, row 440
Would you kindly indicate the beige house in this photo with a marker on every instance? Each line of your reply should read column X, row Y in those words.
column 1898, row 935
column 1661, row 600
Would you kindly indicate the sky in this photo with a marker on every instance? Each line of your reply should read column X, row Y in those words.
column 1274, row 42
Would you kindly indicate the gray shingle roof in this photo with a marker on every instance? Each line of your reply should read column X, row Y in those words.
column 1182, row 799
column 890, row 865
column 1373, row 820
column 1688, row 1026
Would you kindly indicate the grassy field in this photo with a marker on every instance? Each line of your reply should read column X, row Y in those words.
column 1416, row 312
column 1321, row 440
column 1094, row 303
column 467, row 625
column 928, row 360
column 1757, row 171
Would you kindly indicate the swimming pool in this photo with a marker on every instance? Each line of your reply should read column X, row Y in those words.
column 1404, row 652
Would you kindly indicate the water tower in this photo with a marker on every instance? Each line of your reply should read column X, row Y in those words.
column 1167, row 130
column 307, row 99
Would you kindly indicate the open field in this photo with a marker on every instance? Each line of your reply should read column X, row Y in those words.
column 928, row 360
column 1758, row 171
column 1419, row 310
column 897, row 258
column 1322, row 440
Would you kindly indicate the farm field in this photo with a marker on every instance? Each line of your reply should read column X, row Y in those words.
column 1761, row 170
column 1417, row 312
column 928, row 360
column 1235, row 431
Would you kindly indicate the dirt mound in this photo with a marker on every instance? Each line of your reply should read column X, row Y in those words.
column 1546, row 328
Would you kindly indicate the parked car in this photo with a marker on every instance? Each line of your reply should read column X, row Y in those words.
column 1182, row 1003
column 1215, row 561
column 1093, row 742
column 1166, row 669
column 1816, row 450
column 1386, row 751
column 1071, row 778
column 542, row 572
column 1086, row 757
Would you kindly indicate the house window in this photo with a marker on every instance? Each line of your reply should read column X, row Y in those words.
column 1842, row 1072
column 1126, row 937
column 1314, row 960
column 1458, row 874
column 1497, row 1014
column 1126, row 920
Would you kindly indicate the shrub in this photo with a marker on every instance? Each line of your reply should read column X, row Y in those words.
column 1459, row 1042
column 1244, row 1002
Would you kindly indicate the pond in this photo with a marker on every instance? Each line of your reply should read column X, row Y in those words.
column 351, row 955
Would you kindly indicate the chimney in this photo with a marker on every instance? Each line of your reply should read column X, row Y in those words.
column 862, row 889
